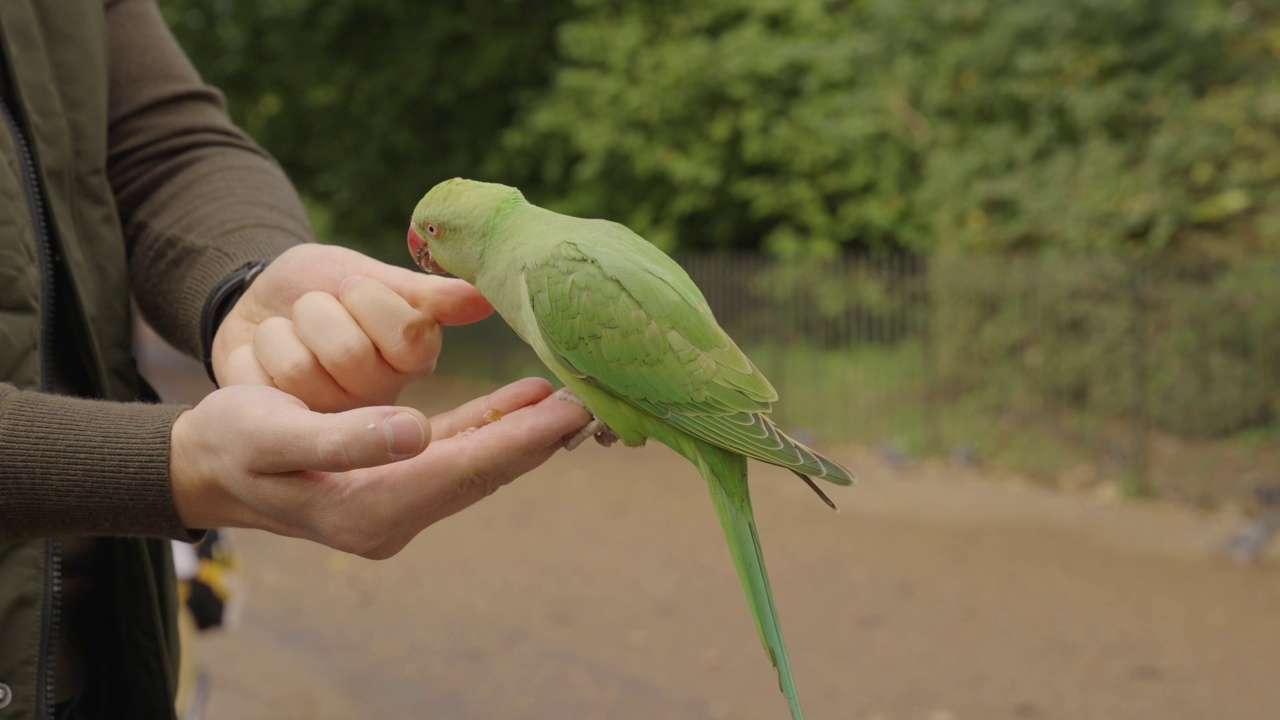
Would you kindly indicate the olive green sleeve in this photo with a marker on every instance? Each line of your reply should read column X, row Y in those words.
column 197, row 198
column 85, row 467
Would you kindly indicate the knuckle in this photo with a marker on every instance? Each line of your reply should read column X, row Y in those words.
column 479, row 482
column 412, row 349
column 414, row 329
column 311, row 302
column 296, row 367
column 481, row 477
column 400, row 353
column 356, row 290
column 349, row 353
column 335, row 446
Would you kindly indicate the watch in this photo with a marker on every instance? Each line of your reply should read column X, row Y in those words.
column 220, row 302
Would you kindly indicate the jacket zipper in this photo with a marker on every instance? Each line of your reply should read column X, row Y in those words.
column 49, row 627
column 53, row 548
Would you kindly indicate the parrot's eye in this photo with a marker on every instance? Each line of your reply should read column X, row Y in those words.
column 432, row 229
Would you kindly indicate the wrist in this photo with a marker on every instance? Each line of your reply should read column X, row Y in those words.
column 221, row 299
column 190, row 496
column 198, row 496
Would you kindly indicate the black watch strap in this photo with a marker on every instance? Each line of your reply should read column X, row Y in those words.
column 220, row 302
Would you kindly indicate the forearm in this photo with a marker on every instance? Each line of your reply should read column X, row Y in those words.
column 70, row 466
column 196, row 196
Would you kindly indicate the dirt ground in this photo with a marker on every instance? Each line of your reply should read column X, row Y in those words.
column 599, row 587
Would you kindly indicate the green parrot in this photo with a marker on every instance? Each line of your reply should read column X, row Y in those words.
column 626, row 330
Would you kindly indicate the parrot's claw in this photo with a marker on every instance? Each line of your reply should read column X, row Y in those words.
column 595, row 428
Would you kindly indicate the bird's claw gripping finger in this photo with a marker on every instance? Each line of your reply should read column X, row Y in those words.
column 595, row 428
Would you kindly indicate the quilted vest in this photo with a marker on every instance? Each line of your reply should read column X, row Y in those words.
column 55, row 68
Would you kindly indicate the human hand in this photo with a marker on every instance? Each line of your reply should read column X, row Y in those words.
column 337, row 329
column 365, row 481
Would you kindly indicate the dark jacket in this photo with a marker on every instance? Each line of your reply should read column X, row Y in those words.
column 122, row 172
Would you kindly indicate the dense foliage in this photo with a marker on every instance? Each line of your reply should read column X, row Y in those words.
column 1176, row 345
column 367, row 103
column 1108, row 132
column 796, row 125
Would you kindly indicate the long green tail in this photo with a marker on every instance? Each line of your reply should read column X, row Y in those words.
column 726, row 476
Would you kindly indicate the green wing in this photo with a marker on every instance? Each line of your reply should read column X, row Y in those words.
column 622, row 315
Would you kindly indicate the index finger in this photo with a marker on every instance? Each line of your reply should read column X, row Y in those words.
column 471, row 467
column 507, row 399
column 407, row 338
column 449, row 301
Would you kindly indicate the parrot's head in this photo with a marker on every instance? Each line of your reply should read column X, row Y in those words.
column 451, row 225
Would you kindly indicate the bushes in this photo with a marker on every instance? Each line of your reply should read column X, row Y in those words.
column 368, row 103
column 725, row 124
column 995, row 126
column 1193, row 348
column 800, row 126
column 1215, row 348
column 1141, row 131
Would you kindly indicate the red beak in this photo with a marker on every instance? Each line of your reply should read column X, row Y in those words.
column 415, row 243
column 421, row 253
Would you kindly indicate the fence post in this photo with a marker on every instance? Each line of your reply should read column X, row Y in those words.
column 929, row 400
column 1136, row 483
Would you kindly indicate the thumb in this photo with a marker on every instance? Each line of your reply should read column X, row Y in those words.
column 360, row 438
column 449, row 301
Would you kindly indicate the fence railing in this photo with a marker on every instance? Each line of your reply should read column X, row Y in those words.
column 1163, row 377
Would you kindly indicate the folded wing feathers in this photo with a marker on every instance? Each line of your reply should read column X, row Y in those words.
column 712, row 391
column 755, row 436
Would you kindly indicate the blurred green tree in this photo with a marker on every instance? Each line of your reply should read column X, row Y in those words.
column 804, row 127
column 368, row 103
column 994, row 125
column 726, row 123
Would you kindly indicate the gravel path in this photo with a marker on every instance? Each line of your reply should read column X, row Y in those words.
column 600, row 587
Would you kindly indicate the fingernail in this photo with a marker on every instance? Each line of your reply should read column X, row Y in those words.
column 405, row 435
column 348, row 282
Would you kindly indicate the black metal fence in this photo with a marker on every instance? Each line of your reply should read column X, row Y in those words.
column 1161, row 377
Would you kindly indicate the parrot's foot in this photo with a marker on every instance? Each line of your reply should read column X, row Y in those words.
column 595, row 428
